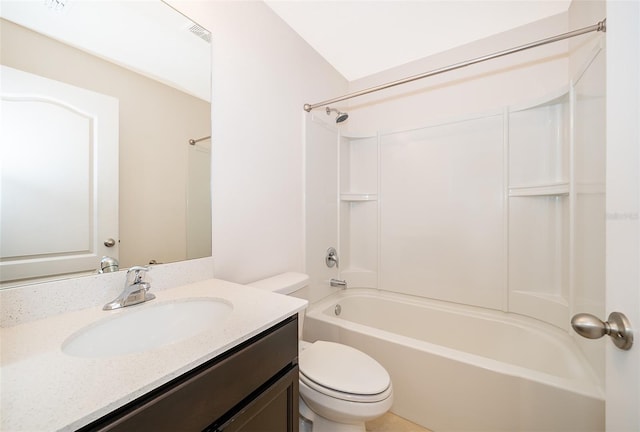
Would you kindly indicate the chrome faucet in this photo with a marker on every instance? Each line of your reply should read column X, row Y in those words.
column 339, row 283
column 108, row 265
column 135, row 290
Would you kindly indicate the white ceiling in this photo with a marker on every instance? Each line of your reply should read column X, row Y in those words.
column 362, row 37
column 148, row 37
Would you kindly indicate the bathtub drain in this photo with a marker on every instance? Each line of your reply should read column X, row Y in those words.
column 337, row 310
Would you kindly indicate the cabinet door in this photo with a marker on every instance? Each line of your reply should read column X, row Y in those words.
column 274, row 410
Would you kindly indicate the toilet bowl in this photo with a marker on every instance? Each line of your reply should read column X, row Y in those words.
column 340, row 387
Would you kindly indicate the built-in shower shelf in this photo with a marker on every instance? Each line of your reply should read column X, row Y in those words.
column 540, row 190
column 358, row 197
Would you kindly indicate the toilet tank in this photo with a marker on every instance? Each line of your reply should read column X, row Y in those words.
column 285, row 283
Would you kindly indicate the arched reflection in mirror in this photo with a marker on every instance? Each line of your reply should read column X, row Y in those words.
column 163, row 182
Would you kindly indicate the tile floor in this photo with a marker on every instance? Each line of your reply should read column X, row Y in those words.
column 393, row 423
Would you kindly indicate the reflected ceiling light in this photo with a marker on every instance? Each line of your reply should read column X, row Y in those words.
column 56, row 5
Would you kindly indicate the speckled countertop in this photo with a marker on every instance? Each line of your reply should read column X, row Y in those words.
column 44, row 389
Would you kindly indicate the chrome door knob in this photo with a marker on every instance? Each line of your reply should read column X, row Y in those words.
column 617, row 327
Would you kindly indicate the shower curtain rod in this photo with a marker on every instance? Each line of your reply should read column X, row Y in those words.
column 600, row 26
column 194, row 141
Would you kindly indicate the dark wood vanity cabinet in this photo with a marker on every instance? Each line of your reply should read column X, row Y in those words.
column 251, row 388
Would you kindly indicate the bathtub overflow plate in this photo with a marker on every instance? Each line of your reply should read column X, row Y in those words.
column 337, row 310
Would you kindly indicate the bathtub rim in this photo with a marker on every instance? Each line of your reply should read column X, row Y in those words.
column 587, row 386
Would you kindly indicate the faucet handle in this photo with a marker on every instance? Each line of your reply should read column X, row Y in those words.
column 137, row 273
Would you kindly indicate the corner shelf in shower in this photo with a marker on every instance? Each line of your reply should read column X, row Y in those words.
column 355, row 197
column 552, row 189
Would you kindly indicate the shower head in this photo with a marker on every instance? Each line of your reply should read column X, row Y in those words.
column 341, row 115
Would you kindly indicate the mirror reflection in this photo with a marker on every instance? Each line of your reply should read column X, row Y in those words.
column 105, row 137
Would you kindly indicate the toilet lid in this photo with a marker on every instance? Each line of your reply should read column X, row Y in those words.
column 343, row 368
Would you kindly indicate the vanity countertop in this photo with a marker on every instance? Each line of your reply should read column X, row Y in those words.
column 43, row 388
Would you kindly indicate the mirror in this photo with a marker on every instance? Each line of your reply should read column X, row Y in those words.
column 153, row 66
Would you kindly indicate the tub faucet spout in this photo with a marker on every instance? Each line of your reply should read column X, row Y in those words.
column 339, row 283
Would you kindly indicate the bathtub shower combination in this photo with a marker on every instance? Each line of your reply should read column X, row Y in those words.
column 466, row 246
column 461, row 368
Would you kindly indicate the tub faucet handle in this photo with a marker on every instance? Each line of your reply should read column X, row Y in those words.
column 331, row 259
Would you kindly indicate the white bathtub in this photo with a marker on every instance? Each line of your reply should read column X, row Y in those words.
column 458, row 368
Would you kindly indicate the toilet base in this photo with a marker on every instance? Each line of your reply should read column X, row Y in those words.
column 312, row 422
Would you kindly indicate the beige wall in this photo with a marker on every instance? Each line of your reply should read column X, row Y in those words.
column 583, row 13
column 156, row 122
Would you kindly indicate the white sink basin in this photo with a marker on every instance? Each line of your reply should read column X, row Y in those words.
column 147, row 326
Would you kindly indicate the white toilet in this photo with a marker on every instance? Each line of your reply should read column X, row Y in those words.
column 340, row 387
